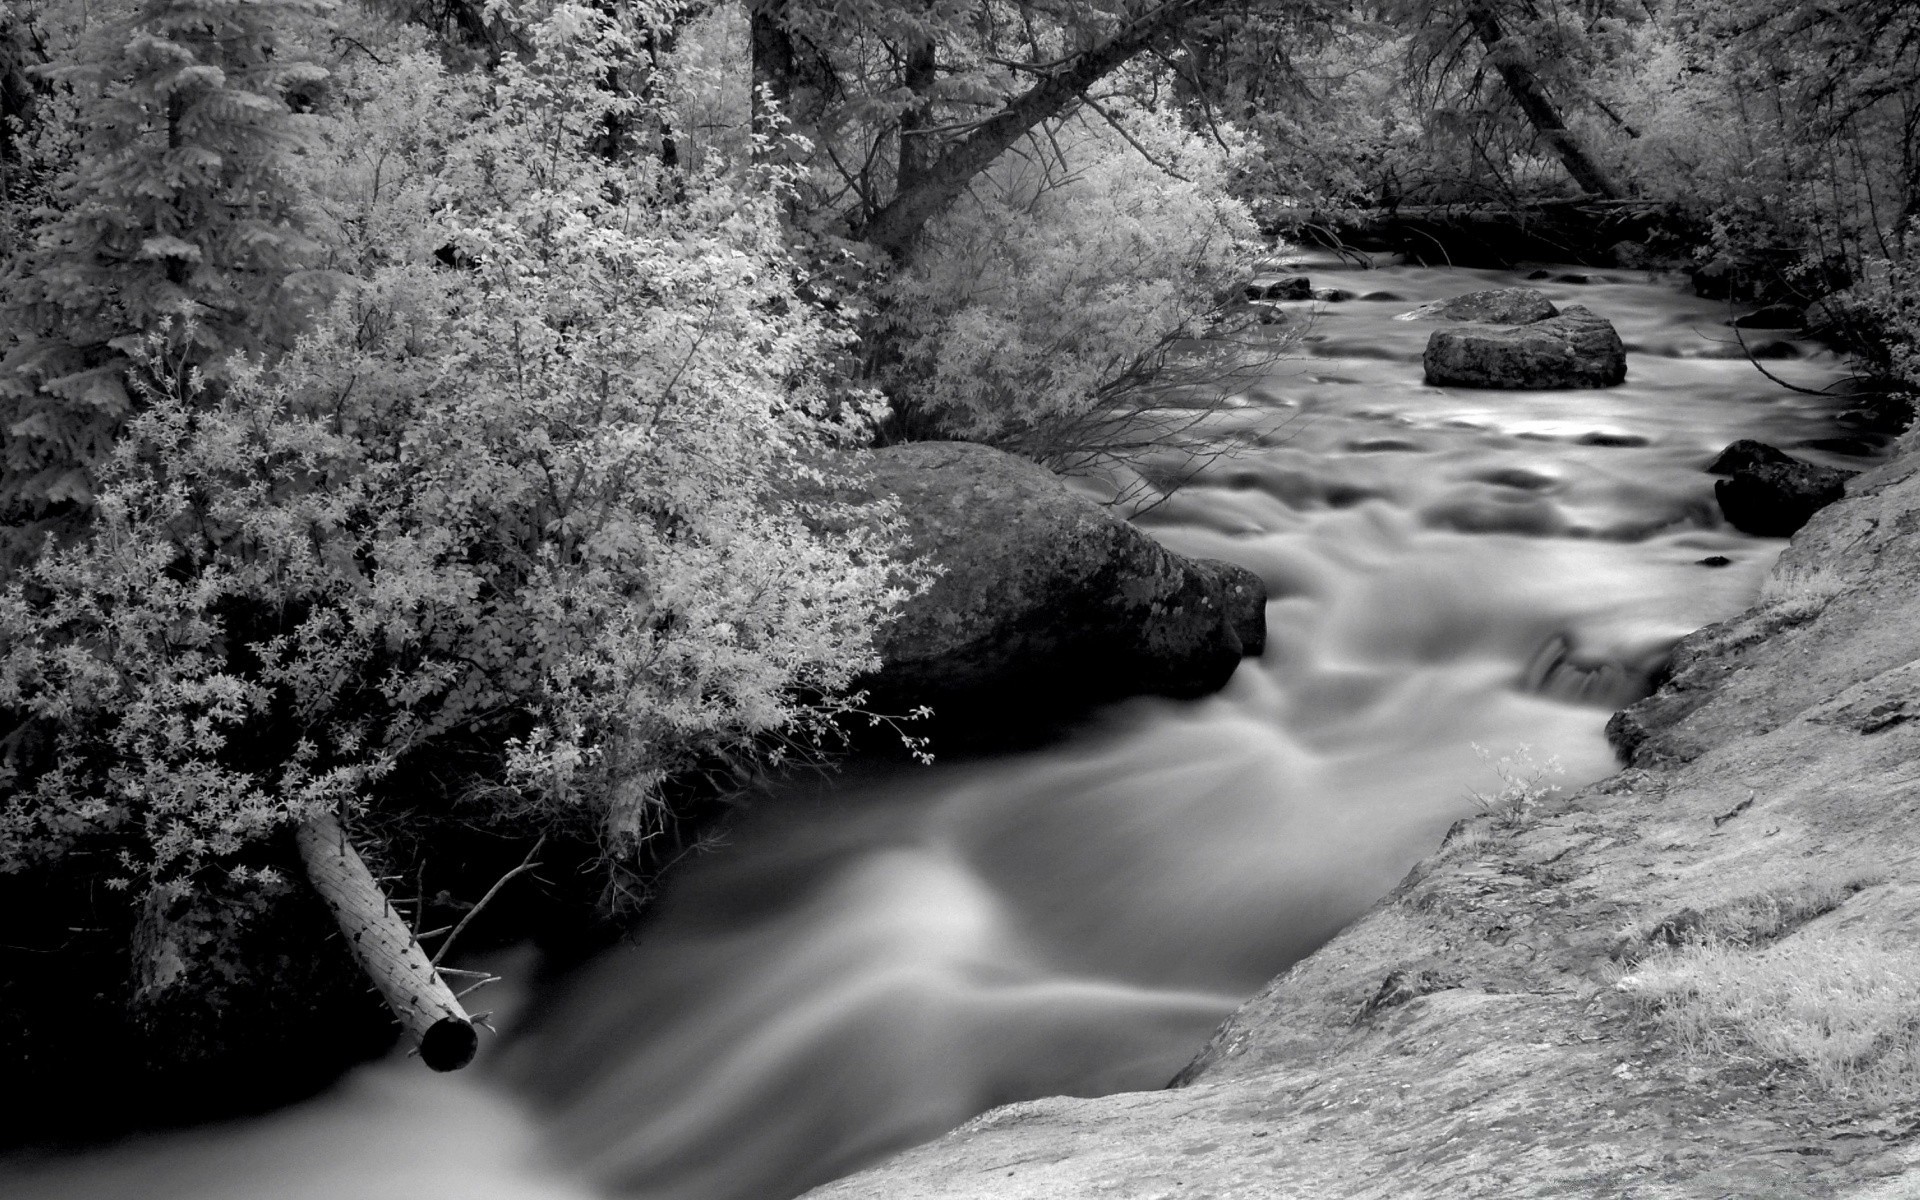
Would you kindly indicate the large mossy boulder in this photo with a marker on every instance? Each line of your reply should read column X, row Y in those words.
column 1770, row 493
column 1047, row 603
column 1493, row 306
column 1576, row 349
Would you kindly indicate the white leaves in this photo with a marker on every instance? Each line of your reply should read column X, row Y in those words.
column 532, row 505
column 1068, row 258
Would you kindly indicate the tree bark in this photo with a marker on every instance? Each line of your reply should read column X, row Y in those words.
column 916, row 148
column 771, row 48
column 385, row 948
column 900, row 220
column 1525, row 88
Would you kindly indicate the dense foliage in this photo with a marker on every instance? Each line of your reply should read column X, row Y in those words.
column 545, row 502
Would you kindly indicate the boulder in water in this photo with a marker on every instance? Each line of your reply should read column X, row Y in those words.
column 1494, row 306
column 1746, row 454
column 1576, row 349
column 1048, row 602
column 1772, row 316
column 1289, row 287
column 1770, row 493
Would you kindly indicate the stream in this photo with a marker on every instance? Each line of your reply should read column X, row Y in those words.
column 1457, row 576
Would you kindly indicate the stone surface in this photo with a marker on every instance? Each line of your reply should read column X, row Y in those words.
column 1467, row 1037
column 1286, row 287
column 1576, row 349
column 1772, row 316
column 1494, row 306
column 1746, row 454
column 1770, row 493
column 1047, row 602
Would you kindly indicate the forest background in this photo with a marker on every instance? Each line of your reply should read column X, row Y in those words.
column 430, row 416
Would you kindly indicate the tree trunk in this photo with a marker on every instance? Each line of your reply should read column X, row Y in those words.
column 916, row 147
column 386, row 948
column 894, row 227
column 1532, row 98
column 771, row 48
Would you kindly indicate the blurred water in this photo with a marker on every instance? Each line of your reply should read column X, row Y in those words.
column 867, row 964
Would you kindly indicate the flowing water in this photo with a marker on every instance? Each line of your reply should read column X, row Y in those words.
column 867, row 964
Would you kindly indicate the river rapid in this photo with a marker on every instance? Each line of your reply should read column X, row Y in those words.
column 871, row 960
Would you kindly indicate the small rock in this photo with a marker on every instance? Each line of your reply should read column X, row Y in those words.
column 1617, row 441
column 1716, row 560
column 1291, row 287
column 1573, row 277
column 1384, row 297
column 1332, row 295
column 1773, row 316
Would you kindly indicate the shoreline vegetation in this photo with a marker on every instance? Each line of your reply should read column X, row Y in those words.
column 421, row 418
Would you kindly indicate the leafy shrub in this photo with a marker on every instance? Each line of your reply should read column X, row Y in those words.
column 532, row 520
column 1059, row 283
column 1524, row 783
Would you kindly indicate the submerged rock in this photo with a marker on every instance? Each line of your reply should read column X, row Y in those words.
column 1576, row 349
column 1048, row 602
column 1770, row 493
column 1494, row 306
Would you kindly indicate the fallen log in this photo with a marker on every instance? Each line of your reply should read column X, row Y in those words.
column 1584, row 231
column 385, row 947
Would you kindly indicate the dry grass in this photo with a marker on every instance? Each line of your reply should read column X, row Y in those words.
column 1845, row 1009
column 1796, row 594
column 1748, row 921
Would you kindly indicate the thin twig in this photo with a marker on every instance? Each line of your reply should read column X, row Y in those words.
column 1120, row 129
column 526, row 865
column 477, row 984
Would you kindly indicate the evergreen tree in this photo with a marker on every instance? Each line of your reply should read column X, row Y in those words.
column 179, row 214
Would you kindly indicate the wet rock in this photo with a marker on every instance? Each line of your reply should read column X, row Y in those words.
column 1769, row 493
column 1385, row 297
column 1048, row 602
column 1502, row 511
column 1290, row 287
column 1576, row 278
column 1716, row 560
column 1577, row 349
column 1773, row 316
column 1517, row 477
column 1615, row 441
column 1494, row 306
column 1332, row 295
column 1746, row 454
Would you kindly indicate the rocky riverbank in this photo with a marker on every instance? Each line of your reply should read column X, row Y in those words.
column 1534, row 1010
